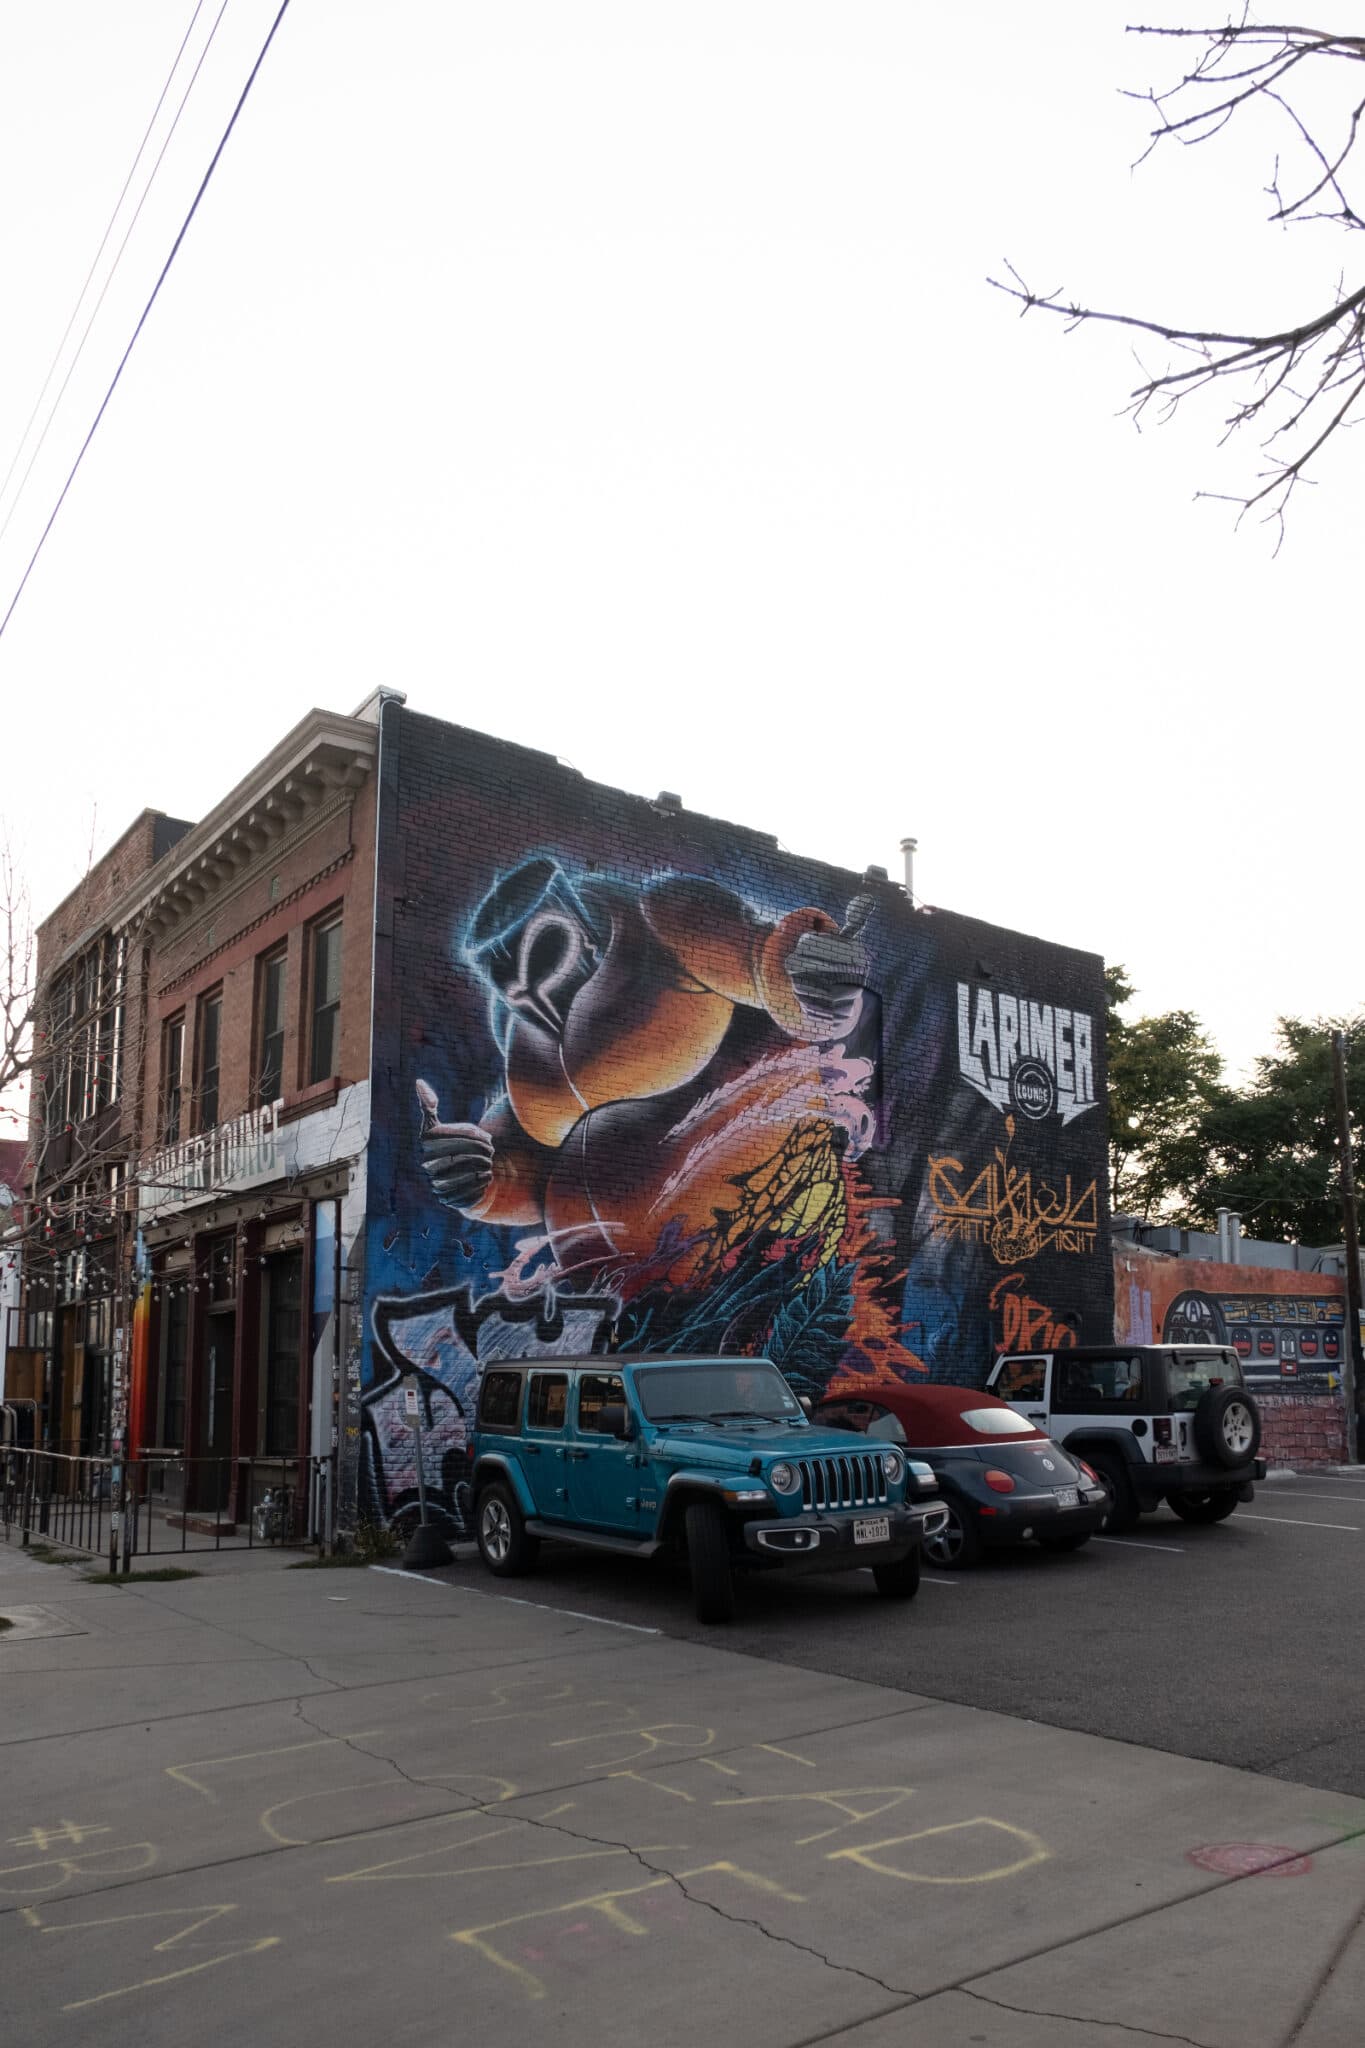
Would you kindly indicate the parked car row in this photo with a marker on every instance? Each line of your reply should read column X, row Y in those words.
column 717, row 1461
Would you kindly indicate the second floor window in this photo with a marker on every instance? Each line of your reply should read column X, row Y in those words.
column 270, row 993
column 325, row 1038
column 172, row 1062
column 210, row 1039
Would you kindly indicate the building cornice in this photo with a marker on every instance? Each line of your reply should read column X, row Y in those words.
column 314, row 770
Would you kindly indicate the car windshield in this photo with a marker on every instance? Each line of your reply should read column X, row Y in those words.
column 1189, row 1379
column 751, row 1391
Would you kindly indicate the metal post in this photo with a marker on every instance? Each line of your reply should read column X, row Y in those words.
column 1352, row 1373
column 426, row 1546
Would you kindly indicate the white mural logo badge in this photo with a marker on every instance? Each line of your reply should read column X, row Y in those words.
column 1035, row 1059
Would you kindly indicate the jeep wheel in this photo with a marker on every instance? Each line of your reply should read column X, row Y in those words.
column 1214, row 1505
column 899, row 1581
column 1071, row 1540
column 708, row 1554
column 500, row 1528
column 1123, row 1502
column 1227, row 1426
column 955, row 1547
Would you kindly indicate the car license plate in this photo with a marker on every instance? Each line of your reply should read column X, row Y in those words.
column 877, row 1530
column 1165, row 1454
column 1067, row 1497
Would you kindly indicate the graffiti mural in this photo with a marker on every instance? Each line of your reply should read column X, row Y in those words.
column 644, row 1083
column 1287, row 1328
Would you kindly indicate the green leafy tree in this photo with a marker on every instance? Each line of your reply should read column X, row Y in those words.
column 1163, row 1078
column 1270, row 1150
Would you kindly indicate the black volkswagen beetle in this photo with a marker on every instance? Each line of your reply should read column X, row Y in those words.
column 1002, row 1480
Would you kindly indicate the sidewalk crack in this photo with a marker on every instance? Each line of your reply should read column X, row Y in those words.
column 1082, row 2019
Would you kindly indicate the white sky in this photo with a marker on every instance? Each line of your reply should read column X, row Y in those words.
column 623, row 379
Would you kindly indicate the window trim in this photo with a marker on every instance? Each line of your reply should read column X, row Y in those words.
column 277, row 955
column 172, row 1028
column 331, row 920
column 202, row 1120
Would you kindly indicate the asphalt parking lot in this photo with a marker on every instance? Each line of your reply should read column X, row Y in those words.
column 1240, row 1644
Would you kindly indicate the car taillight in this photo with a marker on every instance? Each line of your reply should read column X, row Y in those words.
column 1161, row 1428
column 1089, row 1472
column 999, row 1482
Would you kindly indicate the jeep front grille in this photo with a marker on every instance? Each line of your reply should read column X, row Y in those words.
column 853, row 1482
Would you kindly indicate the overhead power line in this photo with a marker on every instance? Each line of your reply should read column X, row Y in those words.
column 113, row 268
column 94, row 261
column 146, row 311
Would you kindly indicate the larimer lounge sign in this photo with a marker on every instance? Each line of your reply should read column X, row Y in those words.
column 213, row 1162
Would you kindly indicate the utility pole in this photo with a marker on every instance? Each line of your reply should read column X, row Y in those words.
column 1352, row 1376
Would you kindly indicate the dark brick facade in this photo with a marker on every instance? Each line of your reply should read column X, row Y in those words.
column 644, row 1080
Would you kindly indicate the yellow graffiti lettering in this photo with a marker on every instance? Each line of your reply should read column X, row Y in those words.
column 869, row 1854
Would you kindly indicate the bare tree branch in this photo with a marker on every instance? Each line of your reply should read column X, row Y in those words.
column 1296, row 384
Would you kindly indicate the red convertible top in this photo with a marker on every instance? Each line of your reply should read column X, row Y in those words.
column 934, row 1416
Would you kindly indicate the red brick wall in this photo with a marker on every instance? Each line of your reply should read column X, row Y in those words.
column 1302, row 1429
column 332, row 868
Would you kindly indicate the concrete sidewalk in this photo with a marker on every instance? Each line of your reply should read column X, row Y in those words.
column 263, row 1800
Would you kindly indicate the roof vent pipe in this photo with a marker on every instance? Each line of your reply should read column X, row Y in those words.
column 909, row 848
column 1234, row 1238
column 1224, row 1239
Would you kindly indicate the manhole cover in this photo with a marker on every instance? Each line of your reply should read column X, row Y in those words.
column 27, row 1622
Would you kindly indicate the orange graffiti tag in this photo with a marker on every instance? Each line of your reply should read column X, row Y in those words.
column 1026, row 1324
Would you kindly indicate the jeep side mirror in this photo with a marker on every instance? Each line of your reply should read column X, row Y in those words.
column 613, row 1419
column 806, row 1403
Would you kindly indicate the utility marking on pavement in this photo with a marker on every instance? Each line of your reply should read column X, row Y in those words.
column 1291, row 1522
column 635, row 1628
column 1128, row 1543
column 790, row 1754
column 711, row 1762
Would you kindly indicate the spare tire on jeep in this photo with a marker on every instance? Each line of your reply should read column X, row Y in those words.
column 1227, row 1426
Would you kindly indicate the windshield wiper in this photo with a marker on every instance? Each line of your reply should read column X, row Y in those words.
column 740, row 1415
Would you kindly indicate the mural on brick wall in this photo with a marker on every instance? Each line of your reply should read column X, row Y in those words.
column 653, row 1086
column 1287, row 1328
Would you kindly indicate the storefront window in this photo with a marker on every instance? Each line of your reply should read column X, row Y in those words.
column 283, row 1324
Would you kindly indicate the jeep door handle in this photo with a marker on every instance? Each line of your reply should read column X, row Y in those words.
column 575, row 1454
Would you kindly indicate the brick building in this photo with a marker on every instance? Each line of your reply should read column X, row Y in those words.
column 256, row 1094
column 444, row 1052
column 83, row 1139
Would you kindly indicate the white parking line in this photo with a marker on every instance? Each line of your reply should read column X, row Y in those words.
column 1128, row 1543
column 925, row 1580
column 1354, row 1498
column 1348, row 1528
column 511, row 1600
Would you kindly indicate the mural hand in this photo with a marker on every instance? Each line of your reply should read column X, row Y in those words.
column 828, row 972
column 456, row 1158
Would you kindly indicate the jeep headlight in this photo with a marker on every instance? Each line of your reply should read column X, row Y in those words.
column 783, row 1478
column 892, row 1467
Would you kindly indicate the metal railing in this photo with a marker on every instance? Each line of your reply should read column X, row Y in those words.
column 164, row 1504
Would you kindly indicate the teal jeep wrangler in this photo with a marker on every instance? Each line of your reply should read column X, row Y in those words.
column 713, row 1459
